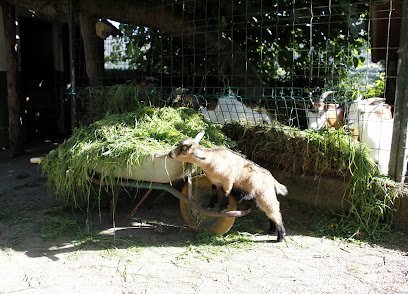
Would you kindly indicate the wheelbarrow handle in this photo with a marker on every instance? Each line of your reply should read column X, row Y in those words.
column 35, row 160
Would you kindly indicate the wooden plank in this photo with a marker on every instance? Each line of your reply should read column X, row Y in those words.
column 13, row 102
column 397, row 165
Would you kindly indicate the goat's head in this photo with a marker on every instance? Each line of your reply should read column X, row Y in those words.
column 188, row 150
column 374, row 107
column 320, row 105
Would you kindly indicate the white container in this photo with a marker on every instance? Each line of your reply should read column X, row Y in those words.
column 153, row 169
column 160, row 169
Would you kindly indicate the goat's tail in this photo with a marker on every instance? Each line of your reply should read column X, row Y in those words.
column 280, row 189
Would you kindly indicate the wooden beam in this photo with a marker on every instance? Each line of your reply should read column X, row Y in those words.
column 398, row 152
column 93, row 47
column 13, row 102
column 222, row 54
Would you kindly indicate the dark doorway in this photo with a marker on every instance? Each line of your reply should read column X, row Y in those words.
column 43, row 78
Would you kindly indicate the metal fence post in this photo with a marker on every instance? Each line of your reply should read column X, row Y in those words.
column 398, row 153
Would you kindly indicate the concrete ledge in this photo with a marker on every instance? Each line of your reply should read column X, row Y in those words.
column 401, row 216
column 326, row 193
column 323, row 193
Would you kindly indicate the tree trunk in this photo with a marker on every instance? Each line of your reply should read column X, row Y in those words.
column 93, row 47
column 14, row 107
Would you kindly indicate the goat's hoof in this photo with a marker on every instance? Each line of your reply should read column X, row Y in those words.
column 281, row 233
column 280, row 238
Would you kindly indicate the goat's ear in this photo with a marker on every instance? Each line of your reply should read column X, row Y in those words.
column 199, row 154
column 199, row 136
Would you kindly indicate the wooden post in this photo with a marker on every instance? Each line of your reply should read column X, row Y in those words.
column 13, row 102
column 93, row 47
column 398, row 153
column 72, row 93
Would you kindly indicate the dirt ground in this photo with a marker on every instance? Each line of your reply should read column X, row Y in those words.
column 44, row 250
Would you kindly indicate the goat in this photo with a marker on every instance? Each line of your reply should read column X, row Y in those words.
column 228, row 109
column 231, row 171
column 372, row 123
column 325, row 115
column 181, row 98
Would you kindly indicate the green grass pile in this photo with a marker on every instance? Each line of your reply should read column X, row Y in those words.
column 330, row 153
column 95, row 102
column 120, row 141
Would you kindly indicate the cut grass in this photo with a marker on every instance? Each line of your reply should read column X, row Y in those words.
column 58, row 222
column 54, row 227
column 95, row 102
column 234, row 239
column 208, row 245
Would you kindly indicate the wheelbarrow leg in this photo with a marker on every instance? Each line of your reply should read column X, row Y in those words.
column 114, row 202
column 159, row 197
column 130, row 215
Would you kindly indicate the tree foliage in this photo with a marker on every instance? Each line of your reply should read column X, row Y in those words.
column 290, row 43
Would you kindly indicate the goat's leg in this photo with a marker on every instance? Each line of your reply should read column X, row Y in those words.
column 225, row 200
column 214, row 197
column 272, row 227
column 271, row 209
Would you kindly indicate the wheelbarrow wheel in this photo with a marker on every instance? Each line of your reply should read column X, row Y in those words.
column 202, row 196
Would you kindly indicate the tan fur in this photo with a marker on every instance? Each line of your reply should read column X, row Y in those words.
column 228, row 169
column 335, row 116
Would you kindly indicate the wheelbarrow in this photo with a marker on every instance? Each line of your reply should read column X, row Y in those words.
column 158, row 173
column 196, row 195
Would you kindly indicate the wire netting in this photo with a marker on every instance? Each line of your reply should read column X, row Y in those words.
column 257, row 50
column 248, row 60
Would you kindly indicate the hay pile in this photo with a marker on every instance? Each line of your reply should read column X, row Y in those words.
column 120, row 140
column 95, row 102
column 328, row 153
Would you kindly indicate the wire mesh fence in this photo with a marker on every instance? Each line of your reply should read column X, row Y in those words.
column 308, row 64
column 246, row 46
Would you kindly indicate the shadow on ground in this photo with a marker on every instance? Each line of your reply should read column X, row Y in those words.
column 32, row 222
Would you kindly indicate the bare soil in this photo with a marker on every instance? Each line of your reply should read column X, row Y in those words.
column 45, row 248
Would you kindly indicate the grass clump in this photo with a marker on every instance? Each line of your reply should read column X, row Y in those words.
column 57, row 222
column 328, row 153
column 120, row 141
column 208, row 245
column 331, row 153
column 95, row 102
column 234, row 239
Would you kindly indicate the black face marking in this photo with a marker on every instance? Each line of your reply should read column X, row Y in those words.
column 184, row 148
